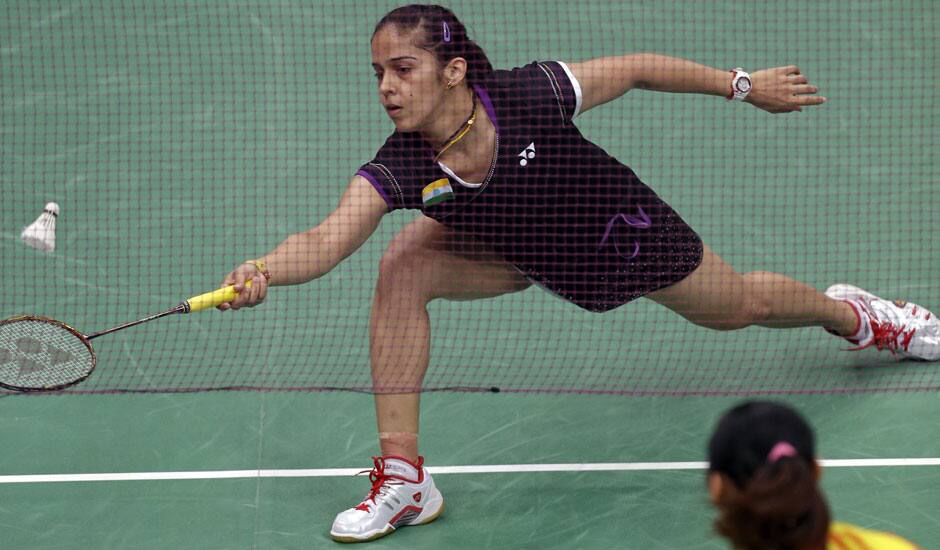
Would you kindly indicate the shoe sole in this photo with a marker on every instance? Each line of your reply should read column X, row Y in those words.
column 346, row 539
column 388, row 530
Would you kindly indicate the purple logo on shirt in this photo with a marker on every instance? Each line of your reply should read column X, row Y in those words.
column 642, row 221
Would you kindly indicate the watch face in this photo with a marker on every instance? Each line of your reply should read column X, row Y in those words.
column 743, row 84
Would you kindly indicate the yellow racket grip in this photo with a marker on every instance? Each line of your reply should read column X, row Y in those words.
column 212, row 299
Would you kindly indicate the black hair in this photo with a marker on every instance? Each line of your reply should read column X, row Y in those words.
column 773, row 502
column 441, row 33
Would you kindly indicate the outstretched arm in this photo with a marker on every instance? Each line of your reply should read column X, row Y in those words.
column 776, row 90
column 312, row 254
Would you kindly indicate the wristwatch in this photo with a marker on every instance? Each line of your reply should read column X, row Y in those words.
column 740, row 85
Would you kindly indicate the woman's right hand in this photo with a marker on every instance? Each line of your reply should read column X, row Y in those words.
column 248, row 296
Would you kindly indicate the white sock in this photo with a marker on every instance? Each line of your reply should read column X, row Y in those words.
column 401, row 468
column 864, row 325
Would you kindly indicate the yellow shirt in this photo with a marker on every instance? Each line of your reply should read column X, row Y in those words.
column 843, row 536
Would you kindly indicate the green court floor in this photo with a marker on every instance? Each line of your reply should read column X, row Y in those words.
column 571, row 510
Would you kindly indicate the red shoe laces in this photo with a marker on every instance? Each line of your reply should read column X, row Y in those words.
column 378, row 478
column 885, row 336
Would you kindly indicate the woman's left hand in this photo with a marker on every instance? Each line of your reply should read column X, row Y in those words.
column 782, row 90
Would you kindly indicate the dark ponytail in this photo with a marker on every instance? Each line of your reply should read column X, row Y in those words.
column 780, row 508
column 441, row 33
column 771, row 498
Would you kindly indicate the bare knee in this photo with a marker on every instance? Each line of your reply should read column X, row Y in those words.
column 751, row 306
column 403, row 274
column 756, row 307
column 716, row 296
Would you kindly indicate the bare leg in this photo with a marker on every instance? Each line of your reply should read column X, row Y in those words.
column 716, row 296
column 424, row 262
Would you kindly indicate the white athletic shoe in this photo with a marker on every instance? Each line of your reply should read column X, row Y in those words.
column 402, row 493
column 907, row 330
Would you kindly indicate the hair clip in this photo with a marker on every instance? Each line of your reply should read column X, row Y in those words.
column 446, row 32
column 781, row 450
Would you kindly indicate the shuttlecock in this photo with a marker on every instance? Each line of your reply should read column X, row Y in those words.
column 41, row 233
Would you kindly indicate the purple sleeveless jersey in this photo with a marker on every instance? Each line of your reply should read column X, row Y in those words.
column 568, row 215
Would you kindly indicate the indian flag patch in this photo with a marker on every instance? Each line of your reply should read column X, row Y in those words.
column 437, row 191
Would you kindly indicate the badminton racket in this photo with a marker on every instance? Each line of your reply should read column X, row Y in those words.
column 42, row 354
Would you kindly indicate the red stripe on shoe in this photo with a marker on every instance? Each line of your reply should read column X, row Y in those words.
column 406, row 510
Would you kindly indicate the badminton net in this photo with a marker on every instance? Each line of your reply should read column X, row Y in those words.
column 181, row 138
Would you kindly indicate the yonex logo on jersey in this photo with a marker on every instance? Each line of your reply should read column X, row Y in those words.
column 527, row 154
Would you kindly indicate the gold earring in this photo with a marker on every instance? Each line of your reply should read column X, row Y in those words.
column 450, row 85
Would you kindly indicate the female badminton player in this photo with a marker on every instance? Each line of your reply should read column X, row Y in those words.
column 512, row 194
column 764, row 480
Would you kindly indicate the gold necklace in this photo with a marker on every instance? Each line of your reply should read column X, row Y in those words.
column 462, row 131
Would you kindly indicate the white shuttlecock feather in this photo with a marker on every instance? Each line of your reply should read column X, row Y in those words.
column 41, row 233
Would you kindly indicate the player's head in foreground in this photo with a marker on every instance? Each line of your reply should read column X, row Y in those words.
column 763, row 478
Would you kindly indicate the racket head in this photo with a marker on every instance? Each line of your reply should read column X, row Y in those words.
column 42, row 354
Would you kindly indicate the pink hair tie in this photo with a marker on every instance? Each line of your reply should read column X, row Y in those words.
column 781, row 450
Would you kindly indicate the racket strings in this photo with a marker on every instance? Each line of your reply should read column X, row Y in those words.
column 37, row 354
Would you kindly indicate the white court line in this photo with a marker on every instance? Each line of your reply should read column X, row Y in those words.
column 488, row 469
